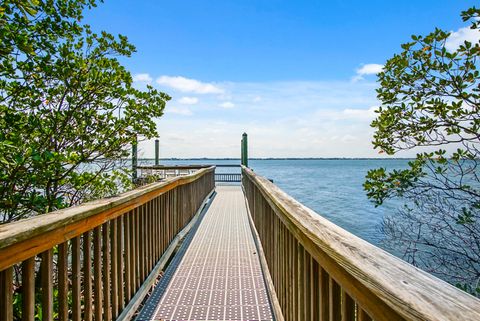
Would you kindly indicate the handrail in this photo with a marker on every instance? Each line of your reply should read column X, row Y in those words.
column 168, row 167
column 130, row 233
column 321, row 271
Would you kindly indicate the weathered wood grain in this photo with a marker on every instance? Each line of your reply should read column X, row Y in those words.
column 76, row 298
column 130, row 234
column 62, row 281
column 46, row 269
column 383, row 286
column 28, row 291
column 87, row 276
column 28, row 237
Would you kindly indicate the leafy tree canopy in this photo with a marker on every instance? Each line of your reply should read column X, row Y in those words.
column 430, row 98
column 68, row 110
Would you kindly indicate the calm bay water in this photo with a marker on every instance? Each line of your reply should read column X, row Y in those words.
column 332, row 188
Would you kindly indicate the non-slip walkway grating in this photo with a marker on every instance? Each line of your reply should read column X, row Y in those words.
column 219, row 276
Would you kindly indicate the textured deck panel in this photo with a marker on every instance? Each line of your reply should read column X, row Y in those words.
column 219, row 276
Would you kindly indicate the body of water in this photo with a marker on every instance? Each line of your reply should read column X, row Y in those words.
column 332, row 188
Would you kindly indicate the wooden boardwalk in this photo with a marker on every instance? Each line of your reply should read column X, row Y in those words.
column 218, row 275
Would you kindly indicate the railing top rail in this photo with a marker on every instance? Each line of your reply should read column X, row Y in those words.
column 228, row 165
column 73, row 219
column 166, row 167
column 409, row 291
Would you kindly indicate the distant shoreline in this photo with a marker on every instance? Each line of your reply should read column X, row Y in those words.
column 280, row 158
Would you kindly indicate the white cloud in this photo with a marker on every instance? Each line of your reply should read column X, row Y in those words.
column 292, row 119
column 178, row 111
column 227, row 104
column 145, row 78
column 188, row 100
column 256, row 99
column 458, row 37
column 368, row 69
column 189, row 85
column 367, row 114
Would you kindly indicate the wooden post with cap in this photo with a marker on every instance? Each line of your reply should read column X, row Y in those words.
column 244, row 150
column 157, row 152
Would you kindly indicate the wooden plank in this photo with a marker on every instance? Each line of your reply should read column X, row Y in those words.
column 6, row 294
column 315, row 289
column 120, row 266
column 292, row 296
column 76, row 291
column 87, row 276
column 114, row 271
column 62, row 281
column 141, row 244
column 348, row 307
column 28, row 290
column 127, row 260
column 133, row 254
column 307, row 284
column 26, row 238
column 137, row 247
column 97, row 273
column 334, row 301
column 47, row 285
column 324, row 300
column 151, row 238
column 385, row 286
column 107, row 313
column 301, row 285
column 156, row 224
column 272, row 293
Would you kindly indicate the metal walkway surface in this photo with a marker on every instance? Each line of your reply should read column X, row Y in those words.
column 218, row 276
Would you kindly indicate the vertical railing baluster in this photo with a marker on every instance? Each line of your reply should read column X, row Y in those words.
column 87, row 276
column 142, row 237
column 133, row 253
column 307, row 284
column 114, row 267
column 335, row 300
column 120, row 265
column 28, row 289
column 324, row 297
column 348, row 307
column 97, row 272
column 76, row 300
column 107, row 313
column 314, row 290
column 6, row 294
column 301, row 284
column 47, row 285
column 63, row 281
column 127, row 259
column 138, row 240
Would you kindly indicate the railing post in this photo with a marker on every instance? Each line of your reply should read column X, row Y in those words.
column 245, row 150
column 134, row 159
column 241, row 151
column 157, row 152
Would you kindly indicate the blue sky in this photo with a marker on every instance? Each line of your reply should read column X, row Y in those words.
column 297, row 76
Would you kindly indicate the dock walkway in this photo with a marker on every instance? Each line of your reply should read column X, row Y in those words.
column 218, row 276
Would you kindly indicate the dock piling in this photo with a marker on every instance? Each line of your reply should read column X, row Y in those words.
column 244, row 148
column 157, row 152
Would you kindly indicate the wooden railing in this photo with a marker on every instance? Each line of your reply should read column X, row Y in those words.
column 228, row 177
column 322, row 272
column 87, row 262
column 163, row 172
